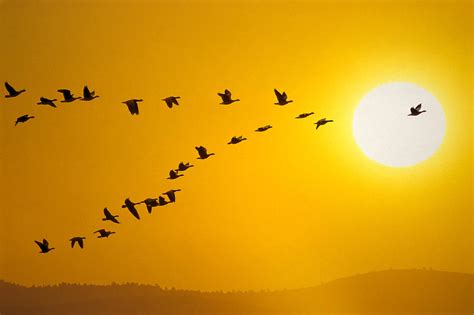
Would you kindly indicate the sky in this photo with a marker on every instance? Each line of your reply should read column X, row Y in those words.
column 289, row 208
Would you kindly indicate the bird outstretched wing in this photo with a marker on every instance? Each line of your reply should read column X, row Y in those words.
column 10, row 88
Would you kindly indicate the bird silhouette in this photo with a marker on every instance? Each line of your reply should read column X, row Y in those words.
column 304, row 115
column 47, row 101
column 162, row 201
column 150, row 203
column 174, row 174
column 202, row 151
column 23, row 119
column 236, row 140
column 44, row 246
column 281, row 98
column 171, row 100
column 131, row 207
column 68, row 96
column 79, row 240
column 88, row 95
column 11, row 91
column 322, row 122
column 133, row 105
column 109, row 216
column 171, row 194
column 415, row 111
column 227, row 97
column 103, row 233
column 183, row 166
column 264, row 128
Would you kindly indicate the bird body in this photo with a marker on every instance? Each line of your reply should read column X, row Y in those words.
column 87, row 95
column 79, row 240
column 171, row 100
column 131, row 207
column 11, row 91
column 202, row 151
column 171, row 194
column 23, row 119
column 109, row 216
column 44, row 246
column 415, row 111
column 47, row 101
column 304, row 115
column 162, row 201
column 133, row 105
column 227, row 97
column 68, row 96
column 183, row 166
column 322, row 122
column 103, row 233
column 236, row 140
column 150, row 203
column 282, row 98
column 174, row 174
column 264, row 128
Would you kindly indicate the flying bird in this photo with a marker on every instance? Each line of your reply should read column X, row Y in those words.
column 322, row 122
column 150, row 203
column 304, row 115
column 227, row 97
column 236, row 140
column 415, row 111
column 202, row 151
column 174, row 174
column 281, row 98
column 103, row 233
column 131, row 207
column 171, row 194
column 11, row 90
column 47, row 101
column 264, row 128
column 68, row 96
column 23, row 119
column 183, row 166
column 88, row 95
column 162, row 201
column 172, row 100
column 79, row 240
column 44, row 246
column 133, row 105
column 109, row 216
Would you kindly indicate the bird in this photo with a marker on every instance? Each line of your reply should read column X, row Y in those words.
column 174, row 174
column 109, row 216
column 322, row 122
column 131, row 207
column 183, row 166
column 202, row 151
column 236, row 140
column 162, row 201
column 23, row 119
column 171, row 194
column 88, row 95
column 44, row 246
column 304, row 115
column 415, row 111
column 264, row 128
column 47, row 101
column 103, row 233
column 227, row 97
column 11, row 90
column 68, row 96
column 281, row 98
column 79, row 240
column 133, row 105
column 171, row 100
column 150, row 203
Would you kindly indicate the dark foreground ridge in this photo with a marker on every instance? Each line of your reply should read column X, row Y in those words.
column 384, row 292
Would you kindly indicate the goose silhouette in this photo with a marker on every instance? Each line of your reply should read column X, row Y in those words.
column 109, row 216
column 162, row 201
column 11, row 91
column 202, row 151
column 79, row 240
column 88, row 95
column 227, row 97
column 236, row 140
column 47, row 101
column 150, row 203
column 103, row 233
column 68, row 96
column 133, row 105
column 23, row 119
column 322, row 122
column 44, row 246
column 171, row 194
column 174, row 174
column 171, row 100
column 304, row 115
column 183, row 166
column 264, row 128
column 282, row 98
column 131, row 207
column 415, row 111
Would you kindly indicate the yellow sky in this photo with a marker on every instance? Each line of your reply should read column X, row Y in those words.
column 288, row 208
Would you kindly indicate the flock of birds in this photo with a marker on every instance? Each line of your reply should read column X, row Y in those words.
column 132, row 105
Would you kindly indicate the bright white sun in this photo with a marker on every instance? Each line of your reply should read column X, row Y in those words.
column 386, row 134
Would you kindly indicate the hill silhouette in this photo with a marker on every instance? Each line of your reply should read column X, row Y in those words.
column 383, row 292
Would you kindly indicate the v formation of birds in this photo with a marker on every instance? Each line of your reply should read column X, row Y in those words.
column 132, row 105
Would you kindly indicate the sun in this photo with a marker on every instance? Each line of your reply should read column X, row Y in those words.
column 386, row 133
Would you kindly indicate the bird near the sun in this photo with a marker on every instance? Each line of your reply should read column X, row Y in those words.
column 236, row 140
column 174, row 174
column 304, row 115
column 183, row 166
column 264, row 128
column 133, row 105
column 68, row 96
column 415, row 111
column 109, row 216
column 12, row 92
column 79, row 240
column 202, row 151
column 171, row 194
column 23, row 119
column 322, row 122
column 47, row 101
column 103, row 233
column 227, row 97
column 130, row 205
column 87, row 95
column 171, row 100
column 282, row 98
column 150, row 203
column 44, row 246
